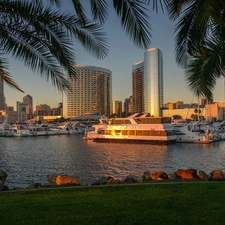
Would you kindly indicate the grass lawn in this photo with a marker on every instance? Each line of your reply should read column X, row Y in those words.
column 175, row 203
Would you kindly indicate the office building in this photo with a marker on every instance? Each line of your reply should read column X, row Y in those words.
column 2, row 97
column 29, row 110
column 127, row 106
column 117, row 108
column 138, row 87
column 153, row 81
column 21, row 111
column 29, row 101
column 147, row 83
column 91, row 91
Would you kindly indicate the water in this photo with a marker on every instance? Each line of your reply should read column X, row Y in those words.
column 29, row 160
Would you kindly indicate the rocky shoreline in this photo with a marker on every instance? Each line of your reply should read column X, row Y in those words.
column 146, row 176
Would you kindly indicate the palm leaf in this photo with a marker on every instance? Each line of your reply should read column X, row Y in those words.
column 206, row 67
column 5, row 75
column 134, row 20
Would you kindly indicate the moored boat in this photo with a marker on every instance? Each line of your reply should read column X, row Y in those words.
column 195, row 133
column 134, row 129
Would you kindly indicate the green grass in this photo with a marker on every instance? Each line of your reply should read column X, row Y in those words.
column 178, row 203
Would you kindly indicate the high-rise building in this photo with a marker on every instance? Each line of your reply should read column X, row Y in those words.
column 91, row 91
column 126, row 106
column 42, row 110
column 29, row 101
column 153, row 81
column 138, row 87
column 117, row 108
column 147, row 83
column 21, row 111
column 2, row 97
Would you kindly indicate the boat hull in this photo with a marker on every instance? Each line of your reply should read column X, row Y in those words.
column 138, row 141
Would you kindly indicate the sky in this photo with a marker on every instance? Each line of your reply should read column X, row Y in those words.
column 122, row 55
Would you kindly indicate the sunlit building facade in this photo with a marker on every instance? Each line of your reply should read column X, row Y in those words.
column 138, row 87
column 29, row 110
column 117, row 108
column 91, row 91
column 2, row 97
column 147, row 83
column 153, row 81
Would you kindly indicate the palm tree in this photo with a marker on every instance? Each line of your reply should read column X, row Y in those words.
column 199, row 29
column 42, row 38
column 200, row 39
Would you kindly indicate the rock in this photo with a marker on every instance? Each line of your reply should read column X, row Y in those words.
column 3, row 175
column 101, row 181
column 2, row 185
column 158, row 175
column 111, row 180
column 145, row 176
column 216, row 175
column 202, row 175
column 188, row 174
column 63, row 180
column 34, row 186
column 51, row 179
column 172, row 176
column 130, row 179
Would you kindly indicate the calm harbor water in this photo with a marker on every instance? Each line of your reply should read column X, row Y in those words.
column 29, row 160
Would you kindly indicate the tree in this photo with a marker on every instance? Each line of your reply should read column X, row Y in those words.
column 42, row 37
column 199, row 29
column 200, row 42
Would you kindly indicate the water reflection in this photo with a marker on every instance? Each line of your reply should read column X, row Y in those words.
column 28, row 160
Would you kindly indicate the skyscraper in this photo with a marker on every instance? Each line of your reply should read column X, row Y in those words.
column 147, row 83
column 153, row 81
column 2, row 97
column 138, row 87
column 29, row 101
column 91, row 91
column 117, row 108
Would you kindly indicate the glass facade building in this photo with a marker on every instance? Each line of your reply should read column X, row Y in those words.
column 91, row 91
column 147, row 83
column 153, row 81
column 138, row 87
column 2, row 97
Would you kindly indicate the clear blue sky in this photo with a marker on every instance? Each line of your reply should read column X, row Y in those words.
column 123, row 54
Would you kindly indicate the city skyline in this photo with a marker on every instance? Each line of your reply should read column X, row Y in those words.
column 123, row 54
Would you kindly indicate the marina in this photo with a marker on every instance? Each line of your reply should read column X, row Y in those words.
column 30, row 160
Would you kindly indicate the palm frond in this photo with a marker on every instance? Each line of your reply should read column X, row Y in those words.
column 43, row 38
column 134, row 20
column 206, row 67
column 99, row 10
column 6, row 76
column 79, row 9
column 156, row 4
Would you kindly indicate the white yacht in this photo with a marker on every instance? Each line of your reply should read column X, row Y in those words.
column 20, row 130
column 134, row 129
column 194, row 133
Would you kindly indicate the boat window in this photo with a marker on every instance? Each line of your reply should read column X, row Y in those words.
column 117, row 132
column 146, row 133
column 124, row 132
column 139, row 132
